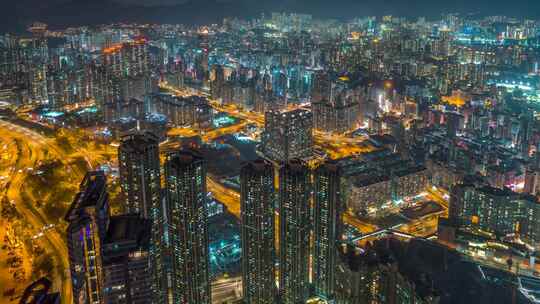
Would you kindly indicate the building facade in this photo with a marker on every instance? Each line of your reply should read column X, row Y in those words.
column 497, row 211
column 126, row 263
column 185, row 182
column 294, row 230
column 368, row 193
column 258, row 242
column 138, row 155
column 189, row 111
column 327, row 207
column 287, row 135
column 139, row 168
column 87, row 220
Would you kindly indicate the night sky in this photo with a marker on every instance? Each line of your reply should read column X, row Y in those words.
column 16, row 14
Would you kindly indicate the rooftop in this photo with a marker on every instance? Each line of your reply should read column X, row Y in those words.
column 258, row 165
column 92, row 191
column 184, row 158
column 371, row 180
column 420, row 211
column 136, row 142
column 128, row 228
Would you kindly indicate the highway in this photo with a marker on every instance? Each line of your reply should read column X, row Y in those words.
column 213, row 134
column 34, row 148
column 8, row 163
column 228, row 197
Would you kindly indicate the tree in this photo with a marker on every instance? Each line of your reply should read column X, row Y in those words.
column 44, row 264
column 9, row 293
column 63, row 142
column 54, row 210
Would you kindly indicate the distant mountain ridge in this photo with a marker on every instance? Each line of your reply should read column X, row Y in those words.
column 16, row 14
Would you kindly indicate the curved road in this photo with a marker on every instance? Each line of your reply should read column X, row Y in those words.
column 32, row 150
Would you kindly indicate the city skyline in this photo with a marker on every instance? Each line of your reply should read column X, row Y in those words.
column 276, row 158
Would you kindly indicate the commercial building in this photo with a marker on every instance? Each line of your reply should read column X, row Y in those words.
column 257, row 200
column 340, row 117
column 123, row 109
column 107, row 89
column 369, row 194
column 380, row 274
column 187, row 235
column 120, row 97
column 127, row 59
column 217, row 81
column 109, row 256
column 38, row 83
column 336, row 106
column 409, row 182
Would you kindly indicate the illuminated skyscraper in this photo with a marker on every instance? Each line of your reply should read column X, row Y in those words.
column 128, row 59
column 326, row 217
column 288, row 135
column 38, row 82
column 322, row 86
column 188, row 227
column 218, row 81
column 140, row 181
column 202, row 62
column 294, row 231
column 138, row 155
column 335, row 105
column 87, row 220
column 258, row 243
column 175, row 73
column 452, row 124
